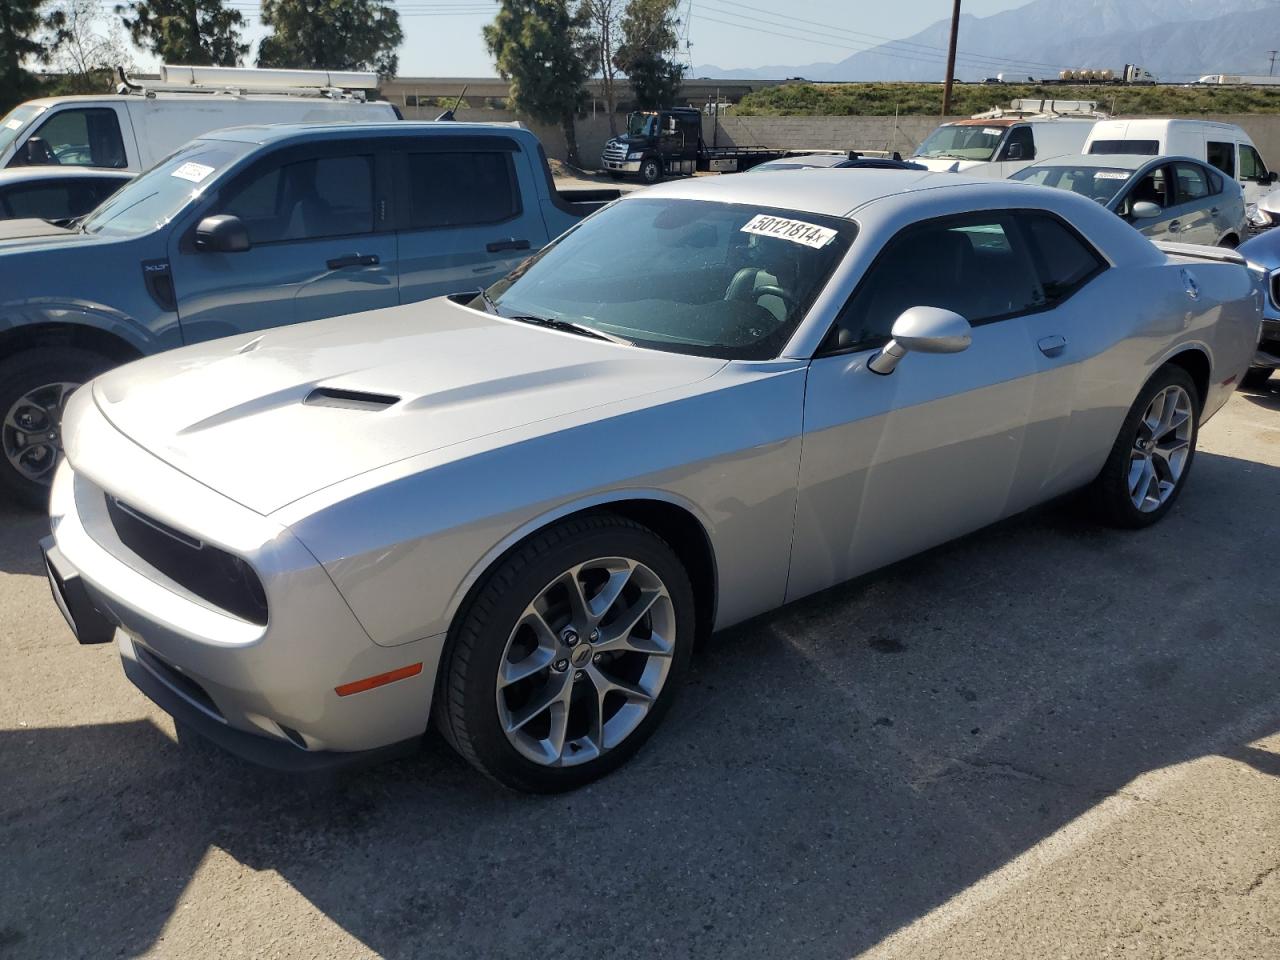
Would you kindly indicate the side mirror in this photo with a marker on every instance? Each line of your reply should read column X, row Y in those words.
column 1145, row 210
column 224, row 233
column 1013, row 151
column 1271, row 177
column 924, row 330
column 36, row 153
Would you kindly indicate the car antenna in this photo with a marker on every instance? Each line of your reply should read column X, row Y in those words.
column 448, row 114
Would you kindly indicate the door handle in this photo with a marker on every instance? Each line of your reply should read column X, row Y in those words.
column 353, row 260
column 1052, row 346
column 511, row 243
column 1174, row 226
column 1214, row 211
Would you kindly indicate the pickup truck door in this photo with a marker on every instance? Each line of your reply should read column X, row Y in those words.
column 467, row 213
column 320, row 244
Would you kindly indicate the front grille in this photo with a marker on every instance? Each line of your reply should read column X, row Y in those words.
column 615, row 152
column 218, row 577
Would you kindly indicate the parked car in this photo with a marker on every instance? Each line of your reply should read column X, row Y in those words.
column 997, row 146
column 517, row 510
column 843, row 161
column 56, row 194
column 1263, row 251
column 1224, row 146
column 252, row 228
column 1171, row 198
column 135, row 129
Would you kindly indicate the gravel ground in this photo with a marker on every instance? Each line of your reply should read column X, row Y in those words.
column 1045, row 740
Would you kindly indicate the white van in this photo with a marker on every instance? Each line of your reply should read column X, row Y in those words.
column 140, row 125
column 1000, row 146
column 1221, row 145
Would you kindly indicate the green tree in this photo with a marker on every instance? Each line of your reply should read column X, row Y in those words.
column 25, row 34
column 188, row 32
column 649, row 39
column 543, row 48
column 331, row 35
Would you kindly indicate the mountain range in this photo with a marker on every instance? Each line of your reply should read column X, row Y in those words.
column 1177, row 40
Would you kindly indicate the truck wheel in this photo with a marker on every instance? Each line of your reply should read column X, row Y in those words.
column 650, row 171
column 34, row 388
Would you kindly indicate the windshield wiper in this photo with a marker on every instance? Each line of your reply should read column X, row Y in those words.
column 568, row 326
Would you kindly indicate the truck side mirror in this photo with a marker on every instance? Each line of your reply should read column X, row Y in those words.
column 223, row 233
column 1271, row 177
column 1013, row 152
column 36, row 153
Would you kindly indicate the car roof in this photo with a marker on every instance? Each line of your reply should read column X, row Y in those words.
column 832, row 192
column 11, row 175
column 1123, row 161
column 265, row 133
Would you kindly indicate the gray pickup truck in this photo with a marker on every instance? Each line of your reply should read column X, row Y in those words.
column 254, row 227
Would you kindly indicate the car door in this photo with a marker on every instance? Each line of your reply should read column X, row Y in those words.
column 1194, row 209
column 463, row 220
column 320, row 244
column 946, row 443
column 1255, row 178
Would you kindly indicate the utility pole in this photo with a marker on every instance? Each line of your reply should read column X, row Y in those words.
column 951, row 59
column 1272, row 70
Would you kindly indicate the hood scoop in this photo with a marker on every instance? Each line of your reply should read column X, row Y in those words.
column 349, row 399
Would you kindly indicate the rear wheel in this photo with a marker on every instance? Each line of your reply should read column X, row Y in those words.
column 567, row 657
column 650, row 171
column 1255, row 378
column 34, row 388
column 1152, row 454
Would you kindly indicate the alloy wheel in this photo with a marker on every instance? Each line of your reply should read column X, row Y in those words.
column 1160, row 449
column 31, row 433
column 586, row 661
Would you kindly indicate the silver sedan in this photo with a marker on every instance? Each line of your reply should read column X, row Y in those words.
column 1167, row 198
column 516, row 511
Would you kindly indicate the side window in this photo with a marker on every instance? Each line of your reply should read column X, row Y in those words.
column 104, row 188
column 1154, row 187
column 1192, row 184
column 307, row 200
column 1222, row 156
column 463, row 188
column 48, row 201
column 1064, row 261
column 81, row 138
column 1251, row 165
column 976, row 265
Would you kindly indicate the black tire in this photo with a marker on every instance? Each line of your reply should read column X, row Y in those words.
column 1109, row 492
column 20, row 374
column 465, row 707
column 650, row 171
column 1255, row 378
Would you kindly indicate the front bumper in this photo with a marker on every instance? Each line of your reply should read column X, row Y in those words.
column 1268, row 355
column 621, row 166
column 266, row 692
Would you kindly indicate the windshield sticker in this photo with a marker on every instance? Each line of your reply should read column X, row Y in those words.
column 797, row 231
column 13, row 124
column 1111, row 175
column 994, row 131
column 195, row 172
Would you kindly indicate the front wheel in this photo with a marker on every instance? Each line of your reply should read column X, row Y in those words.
column 34, row 388
column 650, row 171
column 568, row 655
column 1151, row 457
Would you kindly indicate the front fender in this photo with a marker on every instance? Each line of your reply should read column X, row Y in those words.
column 63, row 312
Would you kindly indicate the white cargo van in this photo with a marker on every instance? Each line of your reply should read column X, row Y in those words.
column 133, row 129
column 1000, row 146
column 1221, row 145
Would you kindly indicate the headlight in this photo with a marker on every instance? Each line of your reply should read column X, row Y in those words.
column 634, row 156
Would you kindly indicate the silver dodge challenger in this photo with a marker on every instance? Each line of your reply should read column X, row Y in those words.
column 512, row 512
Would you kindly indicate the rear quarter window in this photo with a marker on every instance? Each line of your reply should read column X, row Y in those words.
column 1144, row 148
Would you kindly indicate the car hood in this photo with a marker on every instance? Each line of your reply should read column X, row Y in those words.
column 25, row 234
column 268, row 418
column 946, row 164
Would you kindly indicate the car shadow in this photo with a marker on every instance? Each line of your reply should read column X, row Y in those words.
column 23, row 528
column 833, row 771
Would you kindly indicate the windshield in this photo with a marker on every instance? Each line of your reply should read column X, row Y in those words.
column 1096, row 183
column 686, row 276
column 15, row 120
column 963, row 142
column 641, row 124
column 158, row 195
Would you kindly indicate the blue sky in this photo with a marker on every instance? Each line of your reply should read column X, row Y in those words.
column 442, row 37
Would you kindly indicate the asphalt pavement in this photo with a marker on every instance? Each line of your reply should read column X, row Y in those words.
column 1046, row 740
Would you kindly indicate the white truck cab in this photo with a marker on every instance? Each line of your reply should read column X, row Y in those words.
column 1222, row 145
column 999, row 145
column 138, row 126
